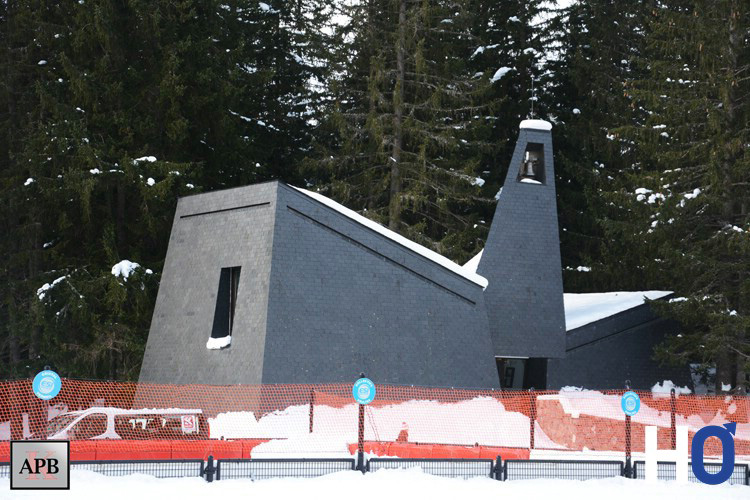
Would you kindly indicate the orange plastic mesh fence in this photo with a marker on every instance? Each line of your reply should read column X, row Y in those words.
column 322, row 420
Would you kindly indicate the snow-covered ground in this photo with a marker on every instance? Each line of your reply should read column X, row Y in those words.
column 396, row 484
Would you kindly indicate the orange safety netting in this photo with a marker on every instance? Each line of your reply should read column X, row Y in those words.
column 106, row 420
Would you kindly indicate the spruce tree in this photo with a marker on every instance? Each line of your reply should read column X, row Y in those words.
column 409, row 136
column 595, row 49
column 687, row 196
column 114, row 110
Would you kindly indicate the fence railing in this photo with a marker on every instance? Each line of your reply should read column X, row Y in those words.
column 508, row 470
column 156, row 468
column 265, row 468
column 666, row 471
column 463, row 468
column 566, row 469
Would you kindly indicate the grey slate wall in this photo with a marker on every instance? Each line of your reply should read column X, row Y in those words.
column 226, row 228
column 321, row 298
column 606, row 353
column 521, row 260
column 343, row 300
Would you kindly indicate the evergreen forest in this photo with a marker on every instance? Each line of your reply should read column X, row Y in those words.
column 406, row 111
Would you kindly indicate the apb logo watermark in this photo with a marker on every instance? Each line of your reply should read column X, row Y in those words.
column 40, row 465
column 725, row 434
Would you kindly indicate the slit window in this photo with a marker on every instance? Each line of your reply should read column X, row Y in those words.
column 532, row 164
column 226, row 304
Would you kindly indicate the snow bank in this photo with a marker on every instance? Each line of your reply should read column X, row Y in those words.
column 597, row 404
column 483, row 420
column 666, row 388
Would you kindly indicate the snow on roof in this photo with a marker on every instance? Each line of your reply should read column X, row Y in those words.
column 415, row 247
column 536, row 124
column 584, row 308
column 472, row 264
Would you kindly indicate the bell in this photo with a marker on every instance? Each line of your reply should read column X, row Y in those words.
column 528, row 167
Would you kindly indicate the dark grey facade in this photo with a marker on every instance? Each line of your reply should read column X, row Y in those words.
column 212, row 231
column 320, row 298
column 615, row 350
column 311, row 293
column 521, row 261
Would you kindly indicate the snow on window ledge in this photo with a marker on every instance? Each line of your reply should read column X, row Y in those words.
column 218, row 343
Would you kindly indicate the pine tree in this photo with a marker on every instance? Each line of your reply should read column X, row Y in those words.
column 408, row 132
column 595, row 50
column 114, row 110
column 688, row 194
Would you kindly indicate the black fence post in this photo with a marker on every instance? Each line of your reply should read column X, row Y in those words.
column 312, row 408
column 628, row 447
column 673, row 424
column 210, row 470
column 498, row 470
column 628, row 462
column 361, row 437
column 361, row 440
column 532, row 419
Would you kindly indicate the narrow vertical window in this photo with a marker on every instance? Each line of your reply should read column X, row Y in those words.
column 226, row 303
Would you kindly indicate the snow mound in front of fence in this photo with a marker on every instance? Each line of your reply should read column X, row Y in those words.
column 481, row 420
column 383, row 484
column 597, row 404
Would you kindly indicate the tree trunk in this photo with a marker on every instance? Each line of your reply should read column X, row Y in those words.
column 34, row 252
column 731, row 105
column 394, row 208
column 724, row 375
column 121, row 243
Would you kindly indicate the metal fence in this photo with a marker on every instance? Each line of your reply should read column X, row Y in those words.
column 508, row 470
column 666, row 471
column 156, row 468
column 464, row 468
column 265, row 468
column 561, row 469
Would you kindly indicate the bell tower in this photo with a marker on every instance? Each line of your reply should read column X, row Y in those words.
column 521, row 259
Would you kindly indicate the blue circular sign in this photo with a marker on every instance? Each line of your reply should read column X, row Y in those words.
column 630, row 403
column 46, row 384
column 363, row 391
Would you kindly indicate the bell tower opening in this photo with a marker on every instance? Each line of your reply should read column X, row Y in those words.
column 532, row 166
